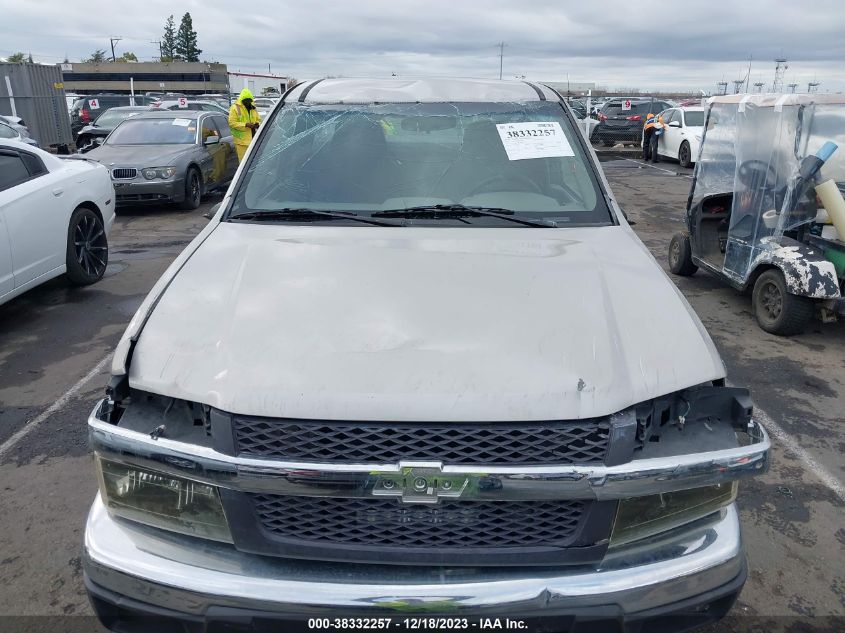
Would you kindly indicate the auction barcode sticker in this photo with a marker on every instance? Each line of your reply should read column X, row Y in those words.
column 539, row 139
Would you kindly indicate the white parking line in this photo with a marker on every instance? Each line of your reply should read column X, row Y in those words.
column 791, row 444
column 668, row 171
column 33, row 424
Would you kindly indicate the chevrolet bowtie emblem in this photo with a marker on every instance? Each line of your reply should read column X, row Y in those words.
column 420, row 484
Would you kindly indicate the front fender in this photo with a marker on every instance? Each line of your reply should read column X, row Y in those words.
column 805, row 269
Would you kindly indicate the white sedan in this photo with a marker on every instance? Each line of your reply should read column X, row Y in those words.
column 682, row 138
column 55, row 215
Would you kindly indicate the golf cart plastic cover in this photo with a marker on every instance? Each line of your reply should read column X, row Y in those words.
column 752, row 147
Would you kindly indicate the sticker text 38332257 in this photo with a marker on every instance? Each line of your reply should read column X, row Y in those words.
column 536, row 139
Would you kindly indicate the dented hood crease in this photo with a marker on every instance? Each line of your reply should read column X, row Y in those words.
column 463, row 324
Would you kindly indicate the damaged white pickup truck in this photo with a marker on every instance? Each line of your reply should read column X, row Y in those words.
column 417, row 370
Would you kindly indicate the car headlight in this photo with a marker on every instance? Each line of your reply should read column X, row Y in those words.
column 151, row 173
column 162, row 500
column 640, row 517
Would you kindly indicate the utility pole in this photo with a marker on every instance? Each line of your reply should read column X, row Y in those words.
column 112, row 41
column 748, row 76
column 759, row 85
column 811, row 86
column 160, row 52
column 792, row 87
column 780, row 71
column 501, row 46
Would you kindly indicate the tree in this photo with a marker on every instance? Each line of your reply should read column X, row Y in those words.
column 97, row 57
column 128, row 57
column 186, row 40
column 16, row 58
column 168, row 41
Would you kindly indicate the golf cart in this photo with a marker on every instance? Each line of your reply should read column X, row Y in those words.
column 765, row 212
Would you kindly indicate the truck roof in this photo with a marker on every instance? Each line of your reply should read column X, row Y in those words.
column 418, row 90
column 775, row 99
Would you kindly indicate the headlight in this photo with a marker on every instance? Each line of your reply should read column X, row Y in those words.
column 151, row 173
column 163, row 501
column 640, row 517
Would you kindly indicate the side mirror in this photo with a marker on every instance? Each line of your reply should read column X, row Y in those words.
column 212, row 140
column 674, row 124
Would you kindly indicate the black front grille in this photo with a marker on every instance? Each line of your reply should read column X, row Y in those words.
column 124, row 173
column 388, row 523
column 545, row 443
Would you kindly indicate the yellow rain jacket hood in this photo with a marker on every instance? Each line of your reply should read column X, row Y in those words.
column 239, row 116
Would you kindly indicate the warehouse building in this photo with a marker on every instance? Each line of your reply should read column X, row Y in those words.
column 257, row 83
column 122, row 77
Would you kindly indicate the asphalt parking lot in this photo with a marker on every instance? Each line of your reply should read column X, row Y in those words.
column 55, row 343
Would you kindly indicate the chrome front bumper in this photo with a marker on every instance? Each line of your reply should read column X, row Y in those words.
column 192, row 576
column 642, row 476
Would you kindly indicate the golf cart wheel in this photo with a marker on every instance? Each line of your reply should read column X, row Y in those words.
column 777, row 311
column 87, row 248
column 193, row 190
column 685, row 155
column 680, row 256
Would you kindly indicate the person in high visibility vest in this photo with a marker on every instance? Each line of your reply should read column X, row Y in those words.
column 653, row 124
column 243, row 121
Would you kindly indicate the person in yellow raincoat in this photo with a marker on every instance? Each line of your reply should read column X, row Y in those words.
column 243, row 121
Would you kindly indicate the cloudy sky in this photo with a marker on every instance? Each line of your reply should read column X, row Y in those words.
column 686, row 44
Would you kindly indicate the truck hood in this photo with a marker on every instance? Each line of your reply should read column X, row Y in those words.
column 413, row 324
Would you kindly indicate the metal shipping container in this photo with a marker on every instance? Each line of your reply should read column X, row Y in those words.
column 36, row 94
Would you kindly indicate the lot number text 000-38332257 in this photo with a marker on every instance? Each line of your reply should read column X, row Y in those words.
column 421, row 623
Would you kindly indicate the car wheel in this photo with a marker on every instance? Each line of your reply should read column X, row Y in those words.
column 87, row 248
column 680, row 256
column 608, row 143
column 193, row 190
column 777, row 311
column 685, row 155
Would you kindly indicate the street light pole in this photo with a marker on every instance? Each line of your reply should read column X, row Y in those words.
column 112, row 41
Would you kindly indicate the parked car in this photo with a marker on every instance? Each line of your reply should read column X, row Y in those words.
column 169, row 156
column 396, row 375
column 92, row 135
column 15, row 122
column 16, row 133
column 596, row 106
column 55, row 215
column 681, row 139
column 618, row 124
column 88, row 108
column 579, row 108
column 188, row 104
column 70, row 99
column 264, row 105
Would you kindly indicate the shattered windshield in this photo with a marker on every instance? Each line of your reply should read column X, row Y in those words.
column 517, row 157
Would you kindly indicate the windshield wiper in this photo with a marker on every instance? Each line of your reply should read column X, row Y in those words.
column 289, row 214
column 450, row 211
